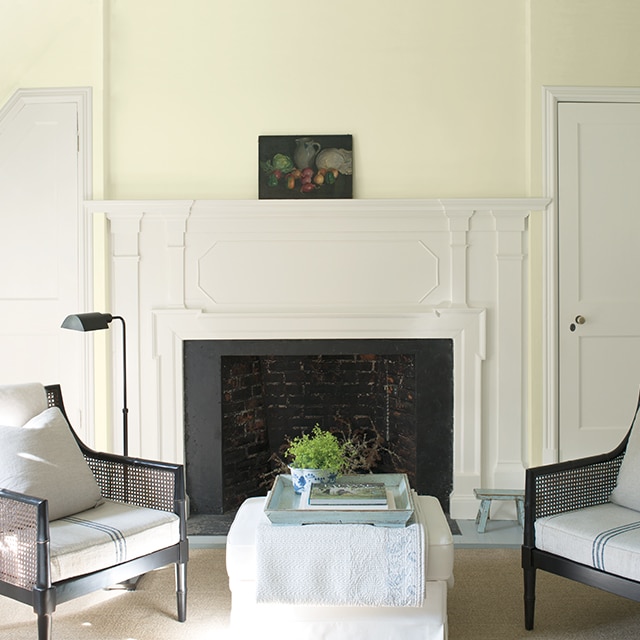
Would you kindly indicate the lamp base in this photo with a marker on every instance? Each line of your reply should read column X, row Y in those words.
column 125, row 585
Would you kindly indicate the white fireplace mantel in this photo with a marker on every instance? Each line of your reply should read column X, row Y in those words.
column 264, row 269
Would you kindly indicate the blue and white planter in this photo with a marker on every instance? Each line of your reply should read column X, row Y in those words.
column 302, row 478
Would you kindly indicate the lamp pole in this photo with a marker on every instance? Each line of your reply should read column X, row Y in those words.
column 125, row 408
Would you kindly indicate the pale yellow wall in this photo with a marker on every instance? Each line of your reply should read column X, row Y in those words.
column 587, row 43
column 443, row 97
column 55, row 43
column 433, row 93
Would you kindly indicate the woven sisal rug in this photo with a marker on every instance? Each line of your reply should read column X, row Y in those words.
column 485, row 604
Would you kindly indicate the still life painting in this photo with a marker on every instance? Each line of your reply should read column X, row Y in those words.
column 305, row 166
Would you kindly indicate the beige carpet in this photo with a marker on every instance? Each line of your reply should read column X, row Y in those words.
column 149, row 613
column 485, row 604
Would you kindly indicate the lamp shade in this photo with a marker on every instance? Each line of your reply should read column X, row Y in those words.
column 87, row 321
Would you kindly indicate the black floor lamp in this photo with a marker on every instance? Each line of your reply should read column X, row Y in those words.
column 94, row 322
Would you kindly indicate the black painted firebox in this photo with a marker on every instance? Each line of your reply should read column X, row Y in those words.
column 242, row 398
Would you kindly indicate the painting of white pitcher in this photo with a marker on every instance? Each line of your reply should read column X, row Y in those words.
column 305, row 166
column 305, row 152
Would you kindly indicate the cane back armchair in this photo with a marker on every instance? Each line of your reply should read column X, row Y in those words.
column 576, row 526
column 133, row 489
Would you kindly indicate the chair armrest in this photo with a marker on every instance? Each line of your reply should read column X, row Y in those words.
column 24, row 537
column 144, row 483
column 565, row 486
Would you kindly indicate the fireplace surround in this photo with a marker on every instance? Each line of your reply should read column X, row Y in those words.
column 331, row 270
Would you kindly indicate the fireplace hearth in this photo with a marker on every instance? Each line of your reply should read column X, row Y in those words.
column 243, row 398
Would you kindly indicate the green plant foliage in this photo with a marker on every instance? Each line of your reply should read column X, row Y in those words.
column 317, row 450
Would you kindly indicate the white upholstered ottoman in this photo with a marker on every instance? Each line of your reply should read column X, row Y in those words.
column 304, row 622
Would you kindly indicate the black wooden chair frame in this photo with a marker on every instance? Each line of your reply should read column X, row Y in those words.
column 143, row 483
column 561, row 487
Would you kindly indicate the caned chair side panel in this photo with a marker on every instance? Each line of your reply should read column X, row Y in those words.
column 18, row 542
column 576, row 488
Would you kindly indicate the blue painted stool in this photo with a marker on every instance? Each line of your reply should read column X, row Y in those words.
column 487, row 495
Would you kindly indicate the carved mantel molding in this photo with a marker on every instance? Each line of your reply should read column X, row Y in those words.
column 211, row 269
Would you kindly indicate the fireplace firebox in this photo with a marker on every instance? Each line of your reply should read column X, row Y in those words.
column 244, row 398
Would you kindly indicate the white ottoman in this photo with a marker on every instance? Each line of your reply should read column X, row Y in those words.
column 428, row 622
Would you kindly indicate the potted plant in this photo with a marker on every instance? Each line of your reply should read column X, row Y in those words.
column 316, row 457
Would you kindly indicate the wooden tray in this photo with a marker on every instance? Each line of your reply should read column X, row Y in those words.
column 283, row 505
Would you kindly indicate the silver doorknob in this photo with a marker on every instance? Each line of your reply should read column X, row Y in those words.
column 580, row 320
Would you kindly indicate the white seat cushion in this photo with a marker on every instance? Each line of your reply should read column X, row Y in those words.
column 606, row 537
column 107, row 535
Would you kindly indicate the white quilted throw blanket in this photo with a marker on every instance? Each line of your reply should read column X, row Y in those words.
column 341, row 564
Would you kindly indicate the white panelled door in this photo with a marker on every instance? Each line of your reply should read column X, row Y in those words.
column 41, row 245
column 599, row 274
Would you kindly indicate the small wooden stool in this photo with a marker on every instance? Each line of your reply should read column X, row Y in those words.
column 487, row 495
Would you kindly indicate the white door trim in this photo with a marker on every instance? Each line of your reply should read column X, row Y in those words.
column 550, row 352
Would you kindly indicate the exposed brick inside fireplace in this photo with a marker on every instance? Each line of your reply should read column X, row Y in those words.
column 268, row 399
column 243, row 399
column 246, row 448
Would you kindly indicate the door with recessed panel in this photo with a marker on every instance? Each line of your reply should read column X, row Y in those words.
column 42, row 244
column 598, row 274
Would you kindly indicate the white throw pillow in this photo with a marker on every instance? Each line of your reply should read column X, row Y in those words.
column 42, row 459
column 627, row 491
column 21, row 402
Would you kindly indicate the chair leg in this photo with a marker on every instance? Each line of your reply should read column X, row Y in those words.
column 44, row 626
column 529, row 596
column 181, row 590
